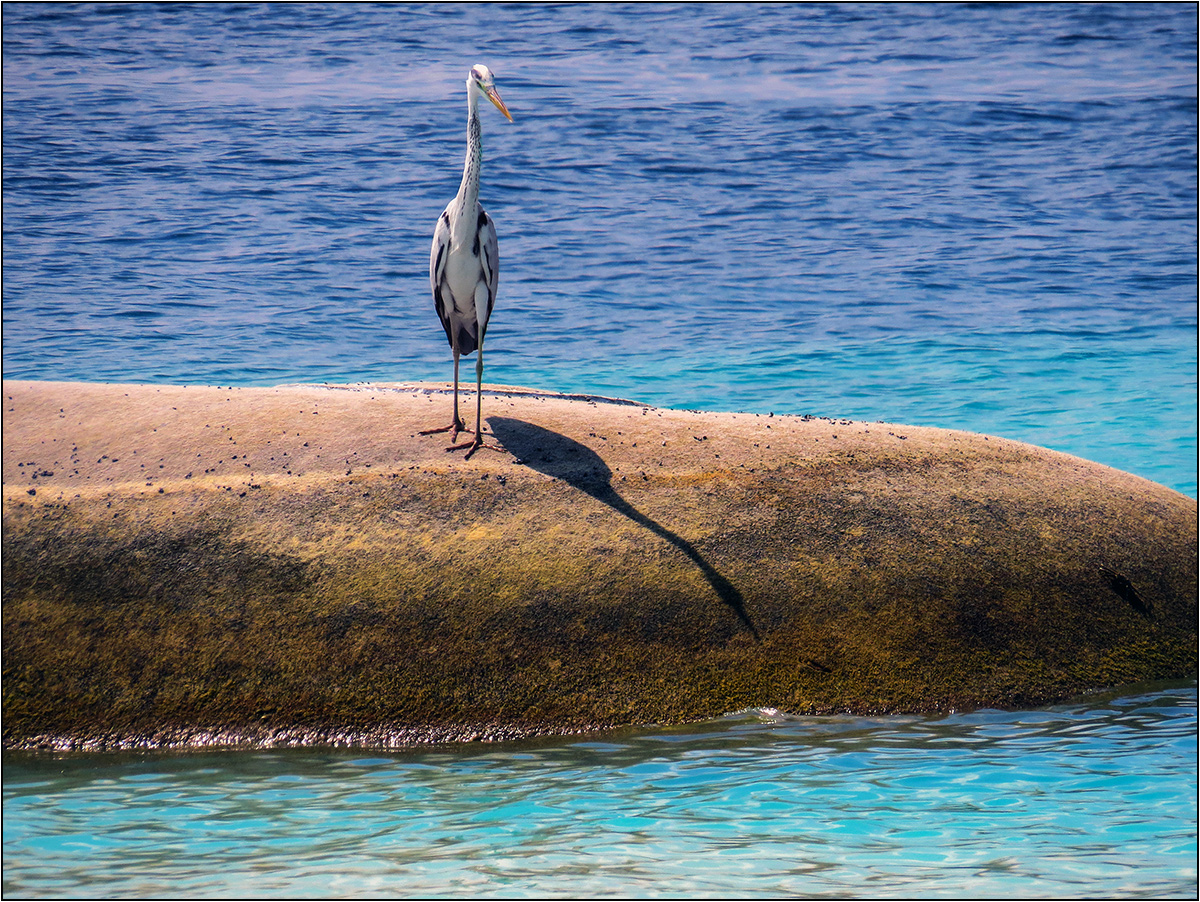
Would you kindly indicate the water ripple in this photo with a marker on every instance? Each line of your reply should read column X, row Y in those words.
column 1092, row 798
column 726, row 206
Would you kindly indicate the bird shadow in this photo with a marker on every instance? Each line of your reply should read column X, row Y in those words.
column 582, row 468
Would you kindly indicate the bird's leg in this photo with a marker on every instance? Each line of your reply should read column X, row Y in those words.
column 478, row 391
column 457, row 425
column 478, row 442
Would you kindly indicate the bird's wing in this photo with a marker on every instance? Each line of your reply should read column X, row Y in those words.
column 489, row 256
column 437, row 272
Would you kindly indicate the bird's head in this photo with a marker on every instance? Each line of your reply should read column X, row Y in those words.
column 480, row 78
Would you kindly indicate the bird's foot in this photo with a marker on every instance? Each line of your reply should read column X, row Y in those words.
column 475, row 445
column 454, row 429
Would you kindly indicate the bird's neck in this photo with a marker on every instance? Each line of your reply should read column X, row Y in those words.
column 468, row 190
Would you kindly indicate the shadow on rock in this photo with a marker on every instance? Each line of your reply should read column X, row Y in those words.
column 579, row 466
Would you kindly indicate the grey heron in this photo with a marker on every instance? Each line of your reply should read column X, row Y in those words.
column 464, row 262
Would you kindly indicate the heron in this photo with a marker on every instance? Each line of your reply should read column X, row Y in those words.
column 464, row 262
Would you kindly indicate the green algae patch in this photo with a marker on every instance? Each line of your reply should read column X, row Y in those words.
column 616, row 565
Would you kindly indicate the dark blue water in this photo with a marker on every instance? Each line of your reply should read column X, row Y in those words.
column 979, row 217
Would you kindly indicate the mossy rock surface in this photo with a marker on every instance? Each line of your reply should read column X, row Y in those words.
column 187, row 566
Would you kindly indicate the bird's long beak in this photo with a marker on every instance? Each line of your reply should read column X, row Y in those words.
column 494, row 96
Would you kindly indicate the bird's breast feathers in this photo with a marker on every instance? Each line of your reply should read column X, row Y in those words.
column 462, row 258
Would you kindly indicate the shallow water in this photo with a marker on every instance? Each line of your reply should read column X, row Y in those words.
column 1095, row 798
column 979, row 217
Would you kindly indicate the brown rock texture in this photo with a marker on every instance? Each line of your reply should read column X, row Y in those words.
column 197, row 565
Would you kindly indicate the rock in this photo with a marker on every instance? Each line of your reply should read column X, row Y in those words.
column 298, row 565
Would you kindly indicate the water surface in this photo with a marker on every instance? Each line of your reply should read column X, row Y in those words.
column 1093, row 799
column 980, row 217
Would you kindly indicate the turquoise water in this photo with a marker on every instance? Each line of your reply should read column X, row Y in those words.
column 979, row 217
column 1093, row 799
